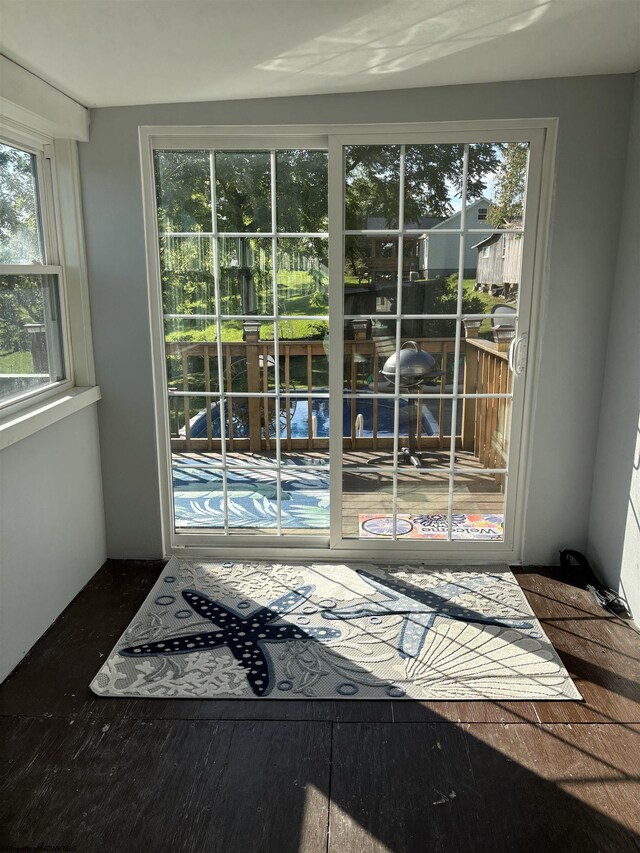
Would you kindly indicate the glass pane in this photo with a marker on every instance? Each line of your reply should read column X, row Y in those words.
column 433, row 184
column 367, row 346
column 192, row 366
column 486, row 424
column 185, row 254
column 192, row 418
column 478, row 507
column 247, row 351
column 493, row 265
column 30, row 334
column 304, row 418
column 372, row 176
column 423, row 503
column 367, row 505
column 431, row 419
column 20, row 240
column 243, row 190
column 431, row 297
column 371, row 419
column 436, row 257
column 303, row 276
column 252, row 502
column 183, row 191
column 434, row 374
column 370, row 275
column 246, row 275
column 305, row 501
column 186, row 266
column 301, row 181
column 198, row 495
column 188, row 293
column 497, row 184
column 304, row 364
column 418, row 421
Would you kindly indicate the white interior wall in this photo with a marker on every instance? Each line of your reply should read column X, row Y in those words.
column 593, row 117
column 51, row 510
column 51, row 528
column 614, row 528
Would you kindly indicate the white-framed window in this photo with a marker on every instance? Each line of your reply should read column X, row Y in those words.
column 486, row 252
column 483, row 212
column 35, row 356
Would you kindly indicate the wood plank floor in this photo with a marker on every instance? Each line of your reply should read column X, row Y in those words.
column 131, row 775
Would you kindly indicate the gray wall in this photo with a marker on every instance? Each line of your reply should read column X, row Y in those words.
column 594, row 115
column 51, row 528
column 614, row 529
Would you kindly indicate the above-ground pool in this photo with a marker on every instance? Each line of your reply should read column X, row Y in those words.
column 297, row 414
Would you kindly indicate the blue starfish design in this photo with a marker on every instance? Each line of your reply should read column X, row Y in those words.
column 420, row 609
column 244, row 635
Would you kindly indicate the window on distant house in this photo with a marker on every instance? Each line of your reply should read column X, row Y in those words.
column 482, row 214
column 32, row 330
column 486, row 252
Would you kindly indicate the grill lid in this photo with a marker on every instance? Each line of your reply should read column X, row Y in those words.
column 413, row 365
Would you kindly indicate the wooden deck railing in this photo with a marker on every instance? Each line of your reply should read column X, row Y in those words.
column 248, row 366
column 485, row 422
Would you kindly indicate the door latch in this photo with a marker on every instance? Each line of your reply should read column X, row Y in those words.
column 518, row 352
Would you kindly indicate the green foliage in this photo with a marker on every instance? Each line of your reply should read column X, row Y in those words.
column 437, row 296
column 20, row 303
column 19, row 239
column 433, row 177
column 183, row 191
column 509, row 188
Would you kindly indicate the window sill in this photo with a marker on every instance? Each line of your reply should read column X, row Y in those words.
column 28, row 421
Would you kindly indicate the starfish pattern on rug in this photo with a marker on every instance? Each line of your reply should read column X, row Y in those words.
column 420, row 607
column 245, row 635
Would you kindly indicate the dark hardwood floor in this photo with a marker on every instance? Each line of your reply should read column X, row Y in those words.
column 169, row 776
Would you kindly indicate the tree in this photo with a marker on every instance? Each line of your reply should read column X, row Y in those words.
column 20, row 296
column 509, row 187
column 433, row 179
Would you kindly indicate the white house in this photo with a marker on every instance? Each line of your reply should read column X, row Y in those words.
column 439, row 252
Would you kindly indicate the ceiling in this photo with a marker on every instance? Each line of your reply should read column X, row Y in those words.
column 115, row 52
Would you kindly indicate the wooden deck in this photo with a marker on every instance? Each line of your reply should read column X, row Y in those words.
column 253, row 776
column 418, row 491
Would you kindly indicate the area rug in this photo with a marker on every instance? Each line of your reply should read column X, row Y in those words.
column 432, row 526
column 247, row 630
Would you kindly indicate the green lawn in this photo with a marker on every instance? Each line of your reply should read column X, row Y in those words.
column 16, row 362
column 295, row 301
column 488, row 301
column 296, row 297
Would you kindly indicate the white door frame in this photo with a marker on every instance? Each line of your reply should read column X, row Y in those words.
column 541, row 133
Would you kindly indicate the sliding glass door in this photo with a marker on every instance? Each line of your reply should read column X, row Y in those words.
column 434, row 236
column 243, row 250
column 394, row 429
